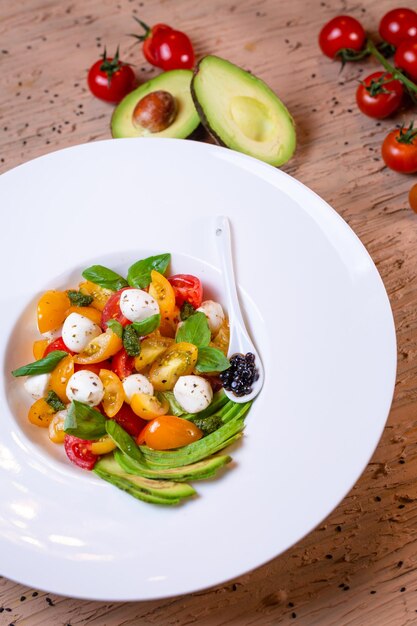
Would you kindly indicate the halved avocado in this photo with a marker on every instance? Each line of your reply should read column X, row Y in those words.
column 175, row 82
column 241, row 112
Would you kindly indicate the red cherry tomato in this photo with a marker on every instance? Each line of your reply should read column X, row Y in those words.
column 399, row 150
column 341, row 33
column 122, row 364
column 379, row 95
column 398, row 25
column 406, row 57
column 112, row 310
column 168, row 432
column 93, row 367
column 79, row 452
column 58, row 344
column 165, row 47
column 132, row 423
column 109, row 79
column 187, row 288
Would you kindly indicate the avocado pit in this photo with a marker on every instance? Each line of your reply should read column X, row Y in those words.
column 156, row 111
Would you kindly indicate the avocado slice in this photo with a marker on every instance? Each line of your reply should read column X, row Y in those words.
column 177, row 83
column 149, row 490
column 241, row 112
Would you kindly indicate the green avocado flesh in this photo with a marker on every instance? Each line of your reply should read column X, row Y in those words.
column 241, row 112
column 177, row 83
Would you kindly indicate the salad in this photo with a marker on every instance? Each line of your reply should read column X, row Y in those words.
column 129, row 374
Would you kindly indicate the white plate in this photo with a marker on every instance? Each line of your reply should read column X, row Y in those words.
column 319, row 315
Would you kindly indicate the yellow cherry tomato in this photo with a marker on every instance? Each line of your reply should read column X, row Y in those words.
column 178, row 360
column 56, row 429
column 222, row 338
column 150, row 349
column 114, row 394
column 169, row 323
column 100, row 348
column 39, row 348
column 40, row 413
column 103, row 445
column 88, row 311
column 163, row 292
column 147, row 407
column 100, row 294
column 52, row 309
column 60, row 377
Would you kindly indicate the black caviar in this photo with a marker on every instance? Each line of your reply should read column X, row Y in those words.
column 241, row 374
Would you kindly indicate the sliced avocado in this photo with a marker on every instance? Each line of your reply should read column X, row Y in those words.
column 149, row 490
column 241, row 112
column 175, row 82
column 197, row 471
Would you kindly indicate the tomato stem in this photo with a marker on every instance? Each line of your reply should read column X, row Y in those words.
column 147, row 30
column 396, row 74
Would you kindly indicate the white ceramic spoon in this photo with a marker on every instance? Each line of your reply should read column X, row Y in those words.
column 240, row 342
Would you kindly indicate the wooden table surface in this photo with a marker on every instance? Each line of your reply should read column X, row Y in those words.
column 359, row 566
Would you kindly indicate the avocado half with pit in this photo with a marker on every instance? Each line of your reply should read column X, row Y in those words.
column 175, row 82
column 241, row 112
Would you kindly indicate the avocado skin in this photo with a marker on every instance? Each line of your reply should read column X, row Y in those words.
column 215, row 135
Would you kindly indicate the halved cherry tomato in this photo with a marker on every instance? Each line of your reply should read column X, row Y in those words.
column 187, row 288
column 112, row 309
column 52, row 308
column 168, row 432
column 104, row 445
column 178, row 360
column 161, row 289
column 114, row 394
column 93, row 367
column 122, row 364
column 127, row 419
column 56, row 429
column 39, row 347
column 222, row 338
column 147, row 406
column 150, row 349
column 60, row 377
column 88, row 311
column 100, row 294
column 58, row 344
column 40, row 413
column 79, row 452
column 100, row 348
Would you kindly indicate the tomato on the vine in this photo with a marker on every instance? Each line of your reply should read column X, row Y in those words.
column 341, row 33
column 379, row 95
column 406, row 57
column 165, row 47
column 110, row 79
column 187, row 288
column 399, row 150
column 79, row 452
column 398, row 25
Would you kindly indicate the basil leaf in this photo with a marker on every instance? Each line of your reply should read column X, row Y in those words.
column 187, row 310
column 195, row 330
column 174, row 407
column 147, row 326
column 139, row 274
column 54, row 401
column 116, row 327
column 104, row 277
column 84, row 422
column 79, row 299
column 131, row 341
column 43, row 366
column 211, row 360
column 123, row 440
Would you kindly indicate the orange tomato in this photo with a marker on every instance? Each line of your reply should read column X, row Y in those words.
column 147, row 407
column 163, row 292
column 52, row 308
column 100, row 294
column 178, row 360
column 88, row 311
column 56, row 429
column 114, row 394
column 60, row 377
column 40, row 413
column 39, row 347
column 150, row 349
column 99, row 348
column 168, row 432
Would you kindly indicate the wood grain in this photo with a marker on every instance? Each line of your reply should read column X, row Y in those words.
column 359, row 566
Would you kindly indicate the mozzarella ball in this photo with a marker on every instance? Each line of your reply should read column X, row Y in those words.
column 85, row 386
column 78, row 331
column 37, row 385
column 214, row 313
column 138, row 305
column 193, row 393
column 136, row 383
